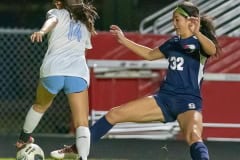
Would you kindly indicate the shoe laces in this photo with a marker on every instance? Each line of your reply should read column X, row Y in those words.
column 66, row 149
column 21, row 144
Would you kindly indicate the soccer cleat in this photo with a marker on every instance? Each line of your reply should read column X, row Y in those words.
column 21, row 144
column 66, row 152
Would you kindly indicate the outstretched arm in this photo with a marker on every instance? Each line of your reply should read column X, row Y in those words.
column 143, row 51
column 47, row 27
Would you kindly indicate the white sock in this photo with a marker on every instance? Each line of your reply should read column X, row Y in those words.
column 83, row 141
column 31, row 121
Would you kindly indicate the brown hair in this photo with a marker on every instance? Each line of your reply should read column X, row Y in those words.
column 207, row 28
column 84, row 12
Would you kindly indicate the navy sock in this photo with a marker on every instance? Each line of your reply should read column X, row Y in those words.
column 199, row 151
column 99, row 129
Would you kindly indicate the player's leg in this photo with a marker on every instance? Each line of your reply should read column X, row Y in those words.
column 80, row 111
column 77, row 93
column 191, row 125
column 141, row 110
column 43, row 101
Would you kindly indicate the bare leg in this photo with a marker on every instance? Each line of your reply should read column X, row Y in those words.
column 80, row 110
column 141, row 110
column 191, row 124
column 43, row 99
column 35, row 113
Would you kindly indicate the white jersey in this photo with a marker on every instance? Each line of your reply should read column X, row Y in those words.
column 67, row 43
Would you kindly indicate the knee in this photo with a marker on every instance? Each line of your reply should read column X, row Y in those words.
column 80, row 120
column 114, row 115
column 83, row 123
column 40, row 108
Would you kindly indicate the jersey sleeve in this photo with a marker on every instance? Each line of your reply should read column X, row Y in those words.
column 165, row 47
column 52, row 13
column 88, row 41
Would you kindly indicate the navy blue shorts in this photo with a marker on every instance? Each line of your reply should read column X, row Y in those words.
column 173, row 105
column 54, row 84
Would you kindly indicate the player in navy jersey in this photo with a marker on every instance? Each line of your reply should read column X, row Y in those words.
column 179, row 97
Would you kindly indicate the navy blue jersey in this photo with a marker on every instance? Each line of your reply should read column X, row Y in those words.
column 186, row 65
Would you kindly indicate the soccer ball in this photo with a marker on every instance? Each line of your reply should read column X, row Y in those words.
column 30, row 152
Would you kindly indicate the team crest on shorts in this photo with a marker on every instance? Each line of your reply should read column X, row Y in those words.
column 191, row 106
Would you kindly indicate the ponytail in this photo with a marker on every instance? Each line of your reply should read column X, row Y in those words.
column 86, row 13
column 207, row 28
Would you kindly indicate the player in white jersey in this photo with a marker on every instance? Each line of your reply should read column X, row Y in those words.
column 64, row 67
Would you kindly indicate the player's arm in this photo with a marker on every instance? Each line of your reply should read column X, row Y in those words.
column 48, row 25
column 208, row 46
column 142, row 51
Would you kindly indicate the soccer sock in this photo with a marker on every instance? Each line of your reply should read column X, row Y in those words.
column 199, row 151
column 31, row 121
column 99, row 129
column 83, row 141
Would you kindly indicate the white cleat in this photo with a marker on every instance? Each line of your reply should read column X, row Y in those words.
column 66, row 152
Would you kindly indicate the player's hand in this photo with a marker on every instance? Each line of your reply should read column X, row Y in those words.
column 195, row 27
column 117, row 32
column 37, row 36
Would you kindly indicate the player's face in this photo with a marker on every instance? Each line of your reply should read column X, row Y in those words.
column 181, row 24
column 58, row 4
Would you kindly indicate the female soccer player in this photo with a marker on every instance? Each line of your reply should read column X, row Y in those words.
column 179, row 97
column 64, row 67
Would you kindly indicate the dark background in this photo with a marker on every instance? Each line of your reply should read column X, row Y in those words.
column 126, row 13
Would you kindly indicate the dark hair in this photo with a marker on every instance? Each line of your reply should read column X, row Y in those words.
column 84, row 12
column 207, row 28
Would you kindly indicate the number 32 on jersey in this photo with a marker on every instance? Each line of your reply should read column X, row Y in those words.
column 176, row 63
